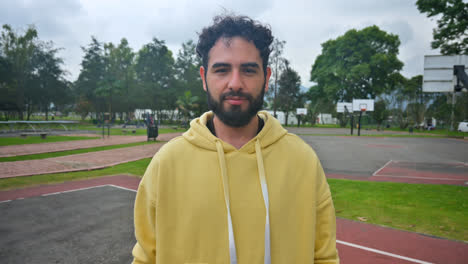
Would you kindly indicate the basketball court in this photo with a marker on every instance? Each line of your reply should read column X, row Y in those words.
column 91, row 221
column 397, row 159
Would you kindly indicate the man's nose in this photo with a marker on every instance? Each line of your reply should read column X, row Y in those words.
column 235, row 81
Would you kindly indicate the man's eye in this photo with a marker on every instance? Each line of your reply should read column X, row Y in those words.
column 250, row 70
column 221, row 70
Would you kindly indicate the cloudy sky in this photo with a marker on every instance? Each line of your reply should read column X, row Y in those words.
column 303, row 24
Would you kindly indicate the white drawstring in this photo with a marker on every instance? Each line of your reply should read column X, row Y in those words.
column 262, row 179
column 222, row 163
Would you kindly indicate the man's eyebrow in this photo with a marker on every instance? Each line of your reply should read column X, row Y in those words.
column 250, row 64
column 220, row 64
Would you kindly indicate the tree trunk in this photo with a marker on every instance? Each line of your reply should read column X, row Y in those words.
column 47, row 113
column 29, row 110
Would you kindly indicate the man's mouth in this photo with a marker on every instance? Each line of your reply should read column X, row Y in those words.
column 235, row 100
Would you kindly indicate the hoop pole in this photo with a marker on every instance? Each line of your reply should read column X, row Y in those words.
column 359, row 127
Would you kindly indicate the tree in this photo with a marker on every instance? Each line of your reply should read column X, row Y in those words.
column 416, row 107
column 380, row 113
column 122, row 62
column 360, row 64
column 187, row 104
column 118, row 78
column 48, row 84
column 319, row 103
column 7, row 100
column 289, row 93
column 154, row 69
column 441, row 109
column 451, row 34
column 277, row 63
column 93, row 67
column 188, row 77
column 17, row 53
column 31, row 74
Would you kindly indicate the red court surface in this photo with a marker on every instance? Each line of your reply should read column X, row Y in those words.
column 357, row 242
column 415, row 172
column 425, row 172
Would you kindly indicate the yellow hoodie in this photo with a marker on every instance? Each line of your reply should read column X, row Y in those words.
column 201, row 200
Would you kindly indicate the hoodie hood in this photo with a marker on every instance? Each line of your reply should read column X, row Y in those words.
column 200, row 135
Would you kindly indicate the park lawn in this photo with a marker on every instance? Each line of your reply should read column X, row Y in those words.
column 72, row 152
column 317, row 125
column 8, row 141
column 129, row 131
column 439, row 210
column 377, row 135
column 132, row 168
column 437, row 131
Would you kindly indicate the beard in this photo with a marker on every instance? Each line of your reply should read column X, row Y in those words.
column 235, row 116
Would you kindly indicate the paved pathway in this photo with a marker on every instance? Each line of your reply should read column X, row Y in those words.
column 28, row 149
column 79, row 162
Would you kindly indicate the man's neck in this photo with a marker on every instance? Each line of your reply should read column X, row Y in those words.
column 236, row 136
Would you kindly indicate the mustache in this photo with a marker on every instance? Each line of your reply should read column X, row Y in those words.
column 236, row 94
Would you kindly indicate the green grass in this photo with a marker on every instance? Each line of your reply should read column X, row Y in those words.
column 440, row 210
column 8, row 141
column 132, row 168
column 437, row 131
column 378, row 135
column 120, row 131
column 317, row 125
column 72, row 152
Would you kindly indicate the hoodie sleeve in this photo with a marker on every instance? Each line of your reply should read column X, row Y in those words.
column 144, row 250
column 325, row 240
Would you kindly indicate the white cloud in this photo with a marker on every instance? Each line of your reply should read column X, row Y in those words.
column 303, row 24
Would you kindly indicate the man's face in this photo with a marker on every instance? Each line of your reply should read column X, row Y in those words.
column 235, row 81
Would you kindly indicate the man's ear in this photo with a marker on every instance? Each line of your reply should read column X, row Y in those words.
column 267, row 78
column 202, row 75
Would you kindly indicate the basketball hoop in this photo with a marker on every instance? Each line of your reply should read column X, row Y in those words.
column 363, row 107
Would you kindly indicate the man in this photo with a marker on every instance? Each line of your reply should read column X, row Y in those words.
column 236, row 187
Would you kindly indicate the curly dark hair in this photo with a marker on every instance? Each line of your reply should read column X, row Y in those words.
column 229, row 26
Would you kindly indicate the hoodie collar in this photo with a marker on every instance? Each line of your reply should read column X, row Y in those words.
column 200, row 135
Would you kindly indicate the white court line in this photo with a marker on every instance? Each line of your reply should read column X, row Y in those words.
column 123, row 188
column 416, row 177
column 383, row 252
column 377, row 171
column 74, row 190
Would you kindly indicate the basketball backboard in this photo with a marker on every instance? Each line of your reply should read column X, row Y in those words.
column 439, row 72
column 363, row 105
column 301, row 111
column 340, row 107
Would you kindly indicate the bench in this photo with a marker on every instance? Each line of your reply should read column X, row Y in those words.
column 42, row 134
column 125, row 131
